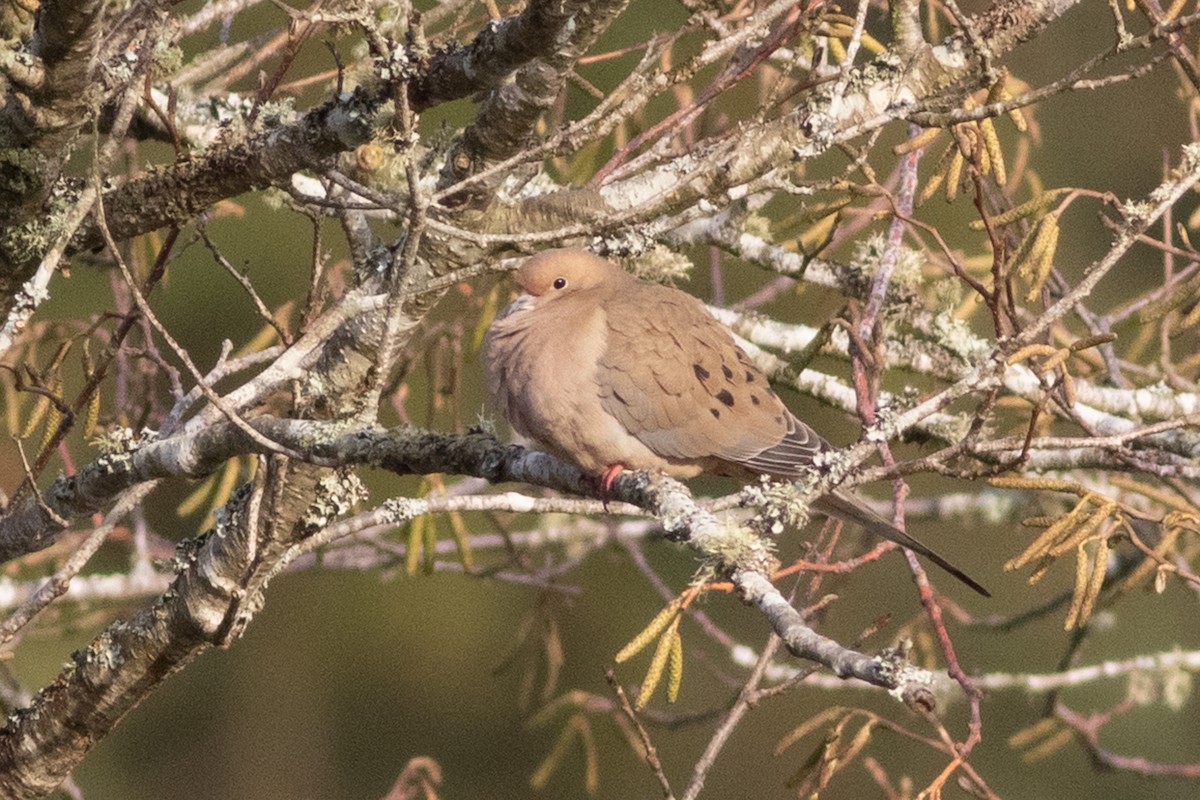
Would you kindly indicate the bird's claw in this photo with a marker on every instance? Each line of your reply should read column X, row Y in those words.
column 607, row 479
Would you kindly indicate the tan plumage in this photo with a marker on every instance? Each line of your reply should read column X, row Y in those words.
column 607, row 371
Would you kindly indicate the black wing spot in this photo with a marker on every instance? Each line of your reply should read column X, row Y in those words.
column 754, row 399
column 728, row 372
column 725, row 397
column 701, row 372
column 716, row 414
column 749, row 376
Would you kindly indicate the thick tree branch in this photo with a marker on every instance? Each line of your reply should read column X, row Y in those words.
column 506, row 119
column 496, row 51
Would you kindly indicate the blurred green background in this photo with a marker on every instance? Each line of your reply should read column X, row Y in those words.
column 345, row 676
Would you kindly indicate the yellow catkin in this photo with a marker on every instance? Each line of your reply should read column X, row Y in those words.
column 859, row 741
column 1051, row 536
column 818, row 235
column 1038, row 730
column 647, row 634
column 213, row 492
column 541, row 775
column 917, row 142
column 831, row 760
column 1045, row 235
column 1099, row 570
column 1029, row 351
column 591, row 763
column 1068, row 384
column 1088, row 342
column 1051, row 746
column 953, row 175
column 1081, row 582
column 92, row 409
column 658, row 665
column 1016, row 115
column 197, row 496
column 985, row 157
column 430, row 548
column 1054, row 361
column 1041, row 484
column 1024, row 261
column 807, row 727
column 490, row 305
column 92, row 414
column 40, row 407
column 53, row 415
column 931, row 186
column 1044, row 261
column 1039, row 571
column 1017, row 258
column 1148, row 565
column 995, row 90
column 416, row 536
column 991, row 144
column 872, row 45
column 675, row 667
column 939, row 173
column 1033, row 207
column 999, row 94
column 834, row 18
column 1018, row 119
column 462, row 540
column 1084, row 531
column 837, row 50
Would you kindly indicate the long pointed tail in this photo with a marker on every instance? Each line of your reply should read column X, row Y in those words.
column 849, row 508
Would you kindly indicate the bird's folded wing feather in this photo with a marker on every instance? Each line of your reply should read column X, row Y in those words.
column 675, row 379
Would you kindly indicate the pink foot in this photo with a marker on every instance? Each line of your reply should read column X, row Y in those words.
column 607, row 478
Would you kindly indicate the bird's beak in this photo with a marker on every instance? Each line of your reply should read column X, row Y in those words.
column 522, row 303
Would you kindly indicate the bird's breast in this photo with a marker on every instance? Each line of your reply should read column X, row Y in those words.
column 542, row 374
column 543, row 369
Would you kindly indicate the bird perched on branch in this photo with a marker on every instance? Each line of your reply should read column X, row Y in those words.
column 610, row 372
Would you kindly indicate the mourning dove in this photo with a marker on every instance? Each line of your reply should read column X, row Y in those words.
column 610, row 372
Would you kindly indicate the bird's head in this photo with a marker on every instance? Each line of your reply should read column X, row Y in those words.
column 561, row 272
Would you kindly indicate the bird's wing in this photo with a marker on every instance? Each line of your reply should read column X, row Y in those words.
column 673, row 377
column 788, row 457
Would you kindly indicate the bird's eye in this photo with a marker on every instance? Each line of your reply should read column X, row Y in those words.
column 560, row 283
